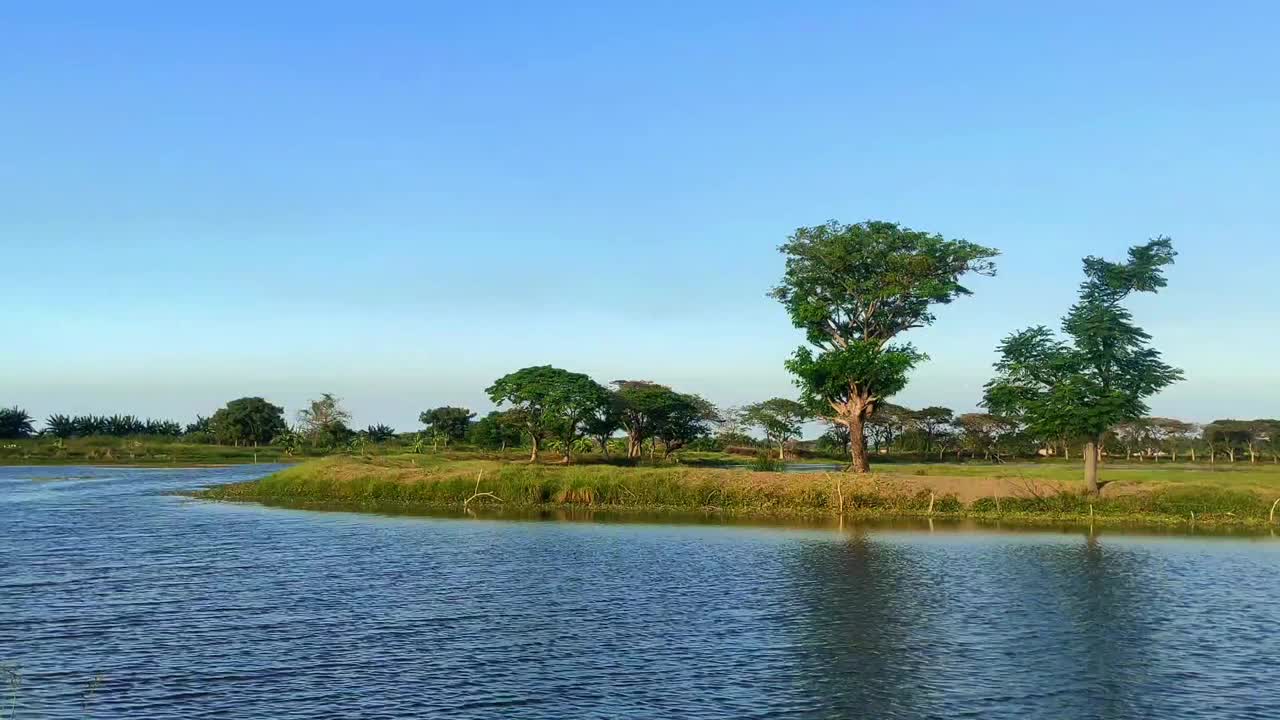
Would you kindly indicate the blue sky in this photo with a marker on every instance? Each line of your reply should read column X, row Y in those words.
column 399, row 202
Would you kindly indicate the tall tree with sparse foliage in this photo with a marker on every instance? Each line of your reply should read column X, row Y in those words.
column 324, row 421
column 853, row 289
column 1103, row 375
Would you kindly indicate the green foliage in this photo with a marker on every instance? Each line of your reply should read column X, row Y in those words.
column 839, row 375
column 873, row 280
column 15, row 424
column 1102, row 377
column 604, row 420
column 780, row 419
column 447, row 423
column 550, row 401
column 497, row 430
column 379, row 433
column 65, row 427
column 852, row 289
column 248, row 420
column 686, row 418
column 647, row 410
column 766, row 462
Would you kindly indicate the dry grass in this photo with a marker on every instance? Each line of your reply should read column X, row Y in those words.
column 423, row 481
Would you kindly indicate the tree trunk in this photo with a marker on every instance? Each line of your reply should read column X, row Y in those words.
column 1091, row 466
column 533, row 456
column 781, row 455
column 858, row 443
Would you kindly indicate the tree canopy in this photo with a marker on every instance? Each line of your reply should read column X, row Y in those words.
column 249, row 420
column 779, row 418
column 1103, row 375
column 447, row 423
column 15, row 424
column 497, row 430
column 550, row 401
column 650, row 411
column 853, row 289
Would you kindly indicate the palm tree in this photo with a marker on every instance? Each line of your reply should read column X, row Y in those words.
column 59, row 426
column 379, row 433
column 15, row 423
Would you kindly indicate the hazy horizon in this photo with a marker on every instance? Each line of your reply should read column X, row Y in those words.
column 398, row 204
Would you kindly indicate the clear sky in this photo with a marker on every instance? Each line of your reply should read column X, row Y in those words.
column 399, row 202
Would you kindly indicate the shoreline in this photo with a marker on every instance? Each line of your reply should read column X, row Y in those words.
column 391, row 486
column 640, row 513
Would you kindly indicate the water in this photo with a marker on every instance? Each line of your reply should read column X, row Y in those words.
column 191, row 610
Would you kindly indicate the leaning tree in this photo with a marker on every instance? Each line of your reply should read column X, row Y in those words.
column 1103, row 375
column 853, row 289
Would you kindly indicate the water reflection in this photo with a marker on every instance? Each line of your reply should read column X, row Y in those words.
column 193, row 609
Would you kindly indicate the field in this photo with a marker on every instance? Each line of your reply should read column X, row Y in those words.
column 1166, row 493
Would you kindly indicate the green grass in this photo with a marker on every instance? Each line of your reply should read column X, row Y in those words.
column 407, row 482
column 1261, row 477
column 131, row 451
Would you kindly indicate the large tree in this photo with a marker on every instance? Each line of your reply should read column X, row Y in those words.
column 549, row 401
column 249, row 421
column 779, row 418
column 642, row 405
column 1103, row 375
column 853, row 289
column 687, row 418
column 497, row 430
column 447, row 423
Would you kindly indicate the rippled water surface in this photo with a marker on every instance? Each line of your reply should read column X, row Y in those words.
column 187, row 609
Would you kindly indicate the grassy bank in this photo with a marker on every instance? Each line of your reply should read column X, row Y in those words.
column 408, row 482
column 132, row 451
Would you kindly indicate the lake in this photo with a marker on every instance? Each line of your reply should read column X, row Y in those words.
column 190, row 609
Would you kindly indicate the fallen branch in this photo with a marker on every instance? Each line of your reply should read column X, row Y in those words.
column 478, row 494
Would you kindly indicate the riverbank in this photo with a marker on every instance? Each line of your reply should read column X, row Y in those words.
column 405, row 483
column 140, row 452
